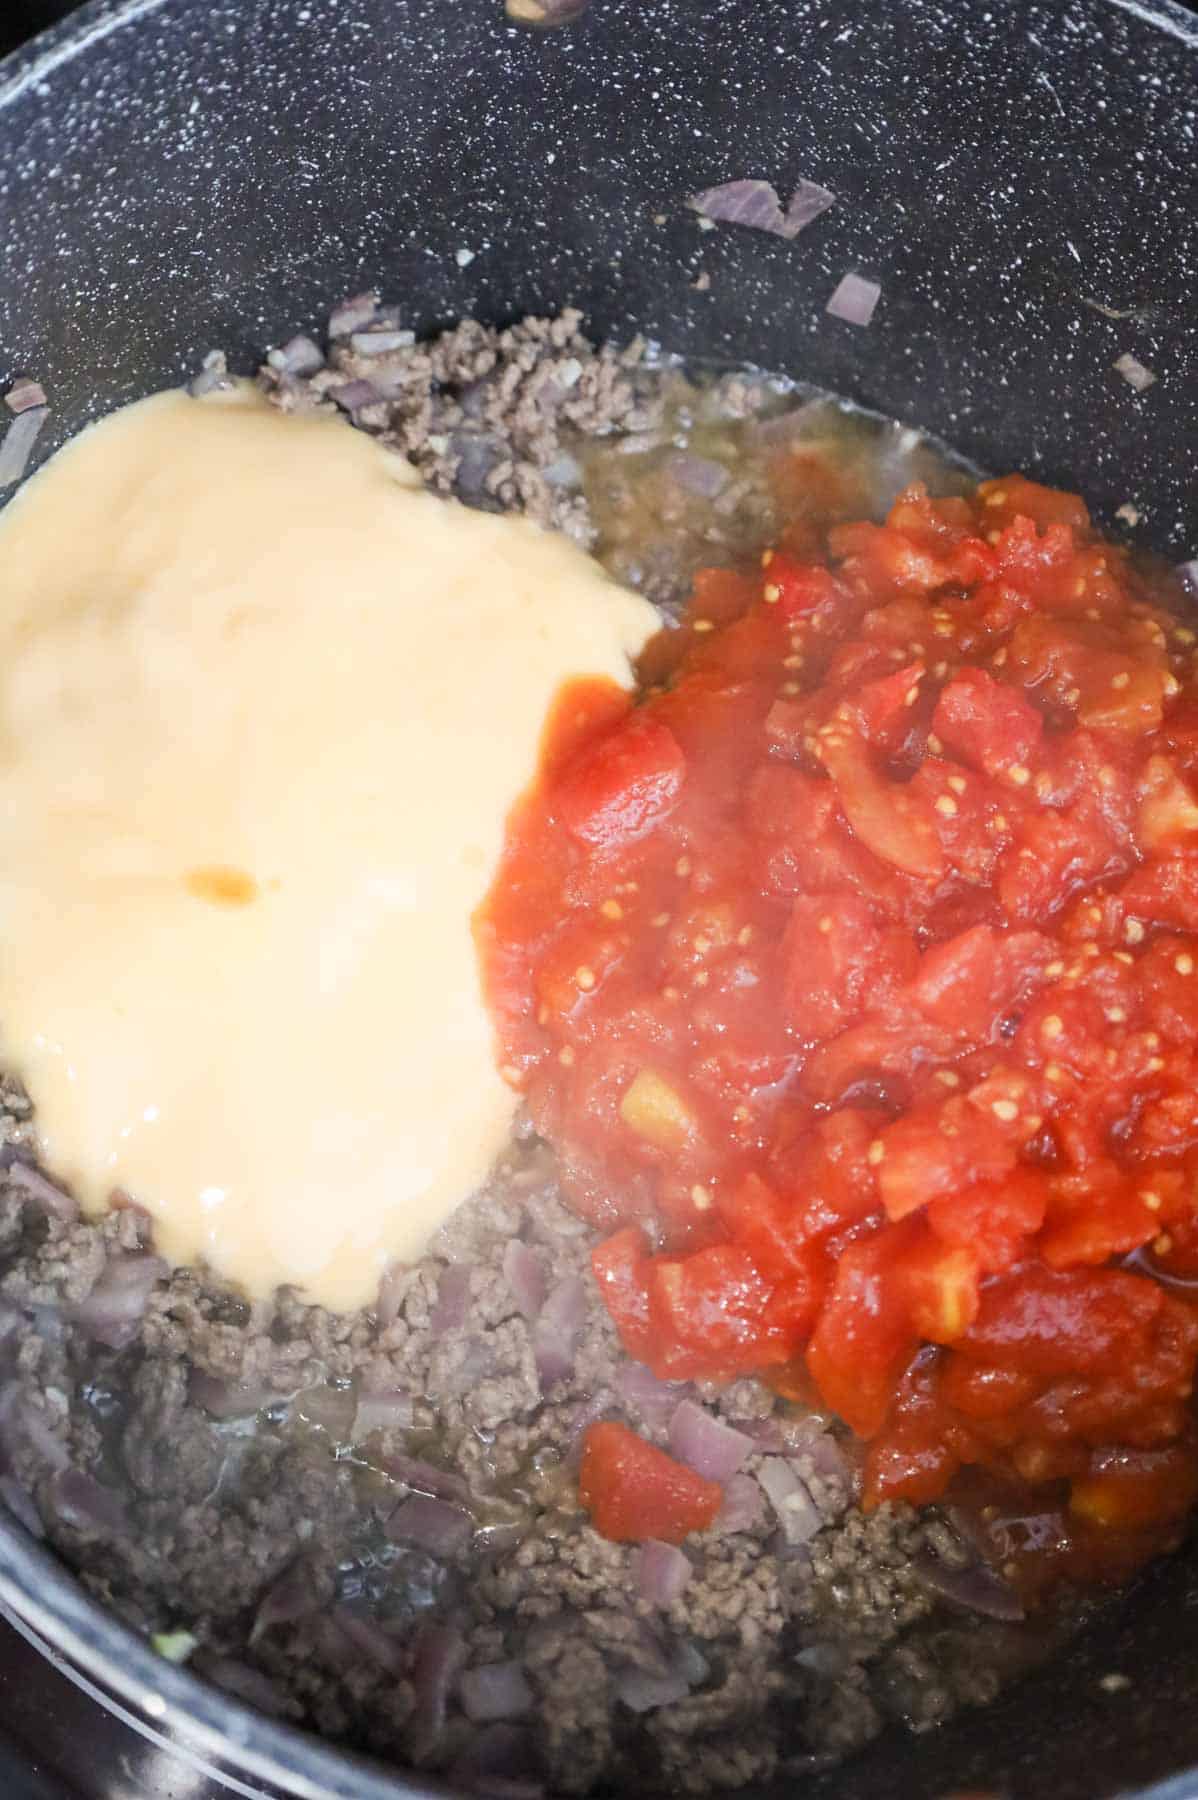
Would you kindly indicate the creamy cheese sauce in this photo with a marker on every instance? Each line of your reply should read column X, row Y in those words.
column 264, row 707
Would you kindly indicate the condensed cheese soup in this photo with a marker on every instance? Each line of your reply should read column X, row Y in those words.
column 264, row 707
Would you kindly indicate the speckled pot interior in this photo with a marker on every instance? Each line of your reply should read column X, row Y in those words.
column 1019, row 176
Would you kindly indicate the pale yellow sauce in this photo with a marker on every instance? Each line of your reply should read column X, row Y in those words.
column 264, row 707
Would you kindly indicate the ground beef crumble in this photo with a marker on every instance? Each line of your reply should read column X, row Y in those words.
column 203, row 1461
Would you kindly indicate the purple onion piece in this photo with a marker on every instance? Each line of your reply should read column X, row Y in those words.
column 379, row 343
column 652, row 1400
column 213, row 377
column 751, row 203
column 524, row 1272
column 854, row 300
column 85, row 1504
column 24, row 395
column 432, row 1525
column 706, row 1444
column 46, row 1193
column 301, row 355
column 453, row 1298
column 978, row 1589
column 808, row 203
column 1187, row 574
column 245, row 1683
column 368, row 1636
column 440, row 1654
column 112, row 1313
column 425, row 1477
column 765, row 1433
column 495, row 1691
column 291, row 1596
column 697, row 475
column 797, row 1513
column 662, row 1572
column 391, row 1410
column 588, row 1412
column 1136, row 374
column 643, row 1693
column 353, row 396
column 353, row 314
column 756, row 204
column 822, row 1450
column 741, row 1510
column 556, row 1332
column 392, row 1289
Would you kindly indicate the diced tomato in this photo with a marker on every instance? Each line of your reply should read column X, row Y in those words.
column 940, row 1288
column 1164, row 892
column 883, row 707
column 1014, row 496
column 1168, row 809
column 623, row 786
column 864, row 1337
column 1055, row 853
column 882, row 814
column 834, row 954
column 988, row 725
column 855, row 969
column 969, row 983
column 621, row 1265
column 1095, row 1229
column 799, row 589
column 633, row 1491
column 720, row 595
column 993, row 1219
column 708, row 1313
column 939, row 1150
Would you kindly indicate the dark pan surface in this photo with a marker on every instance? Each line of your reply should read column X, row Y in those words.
column 178, row 174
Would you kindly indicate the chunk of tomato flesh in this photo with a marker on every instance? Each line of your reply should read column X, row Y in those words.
column 621, row 1266
column 618, row 789
column 863, row 1338
column 708, row 1311
column 633, row 1491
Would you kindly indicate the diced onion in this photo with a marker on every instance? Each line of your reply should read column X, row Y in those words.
column 432, row 1525
column 663, row 1572
column 741, row 1510
column 797, row 1514
column 556, row 1332
column 708, row 1445
column 18, row 443
column 854, row 300
column 45, row 1192
column 642, row 1693
column 23, row 395
column 756, row 204
column 524, row 1273
column 494, row 1691
column 1134, row 372
column 976, row 1588
column 353, row 314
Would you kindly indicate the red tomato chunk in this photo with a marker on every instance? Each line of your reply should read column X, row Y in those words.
column 634, row 1491
column 853, row 976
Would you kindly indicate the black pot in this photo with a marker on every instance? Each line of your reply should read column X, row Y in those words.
column 1020, row 177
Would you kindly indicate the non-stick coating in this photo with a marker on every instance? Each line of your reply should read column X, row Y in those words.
column 179, row 174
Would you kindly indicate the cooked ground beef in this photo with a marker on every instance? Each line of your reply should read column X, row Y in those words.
column 349, row 1515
